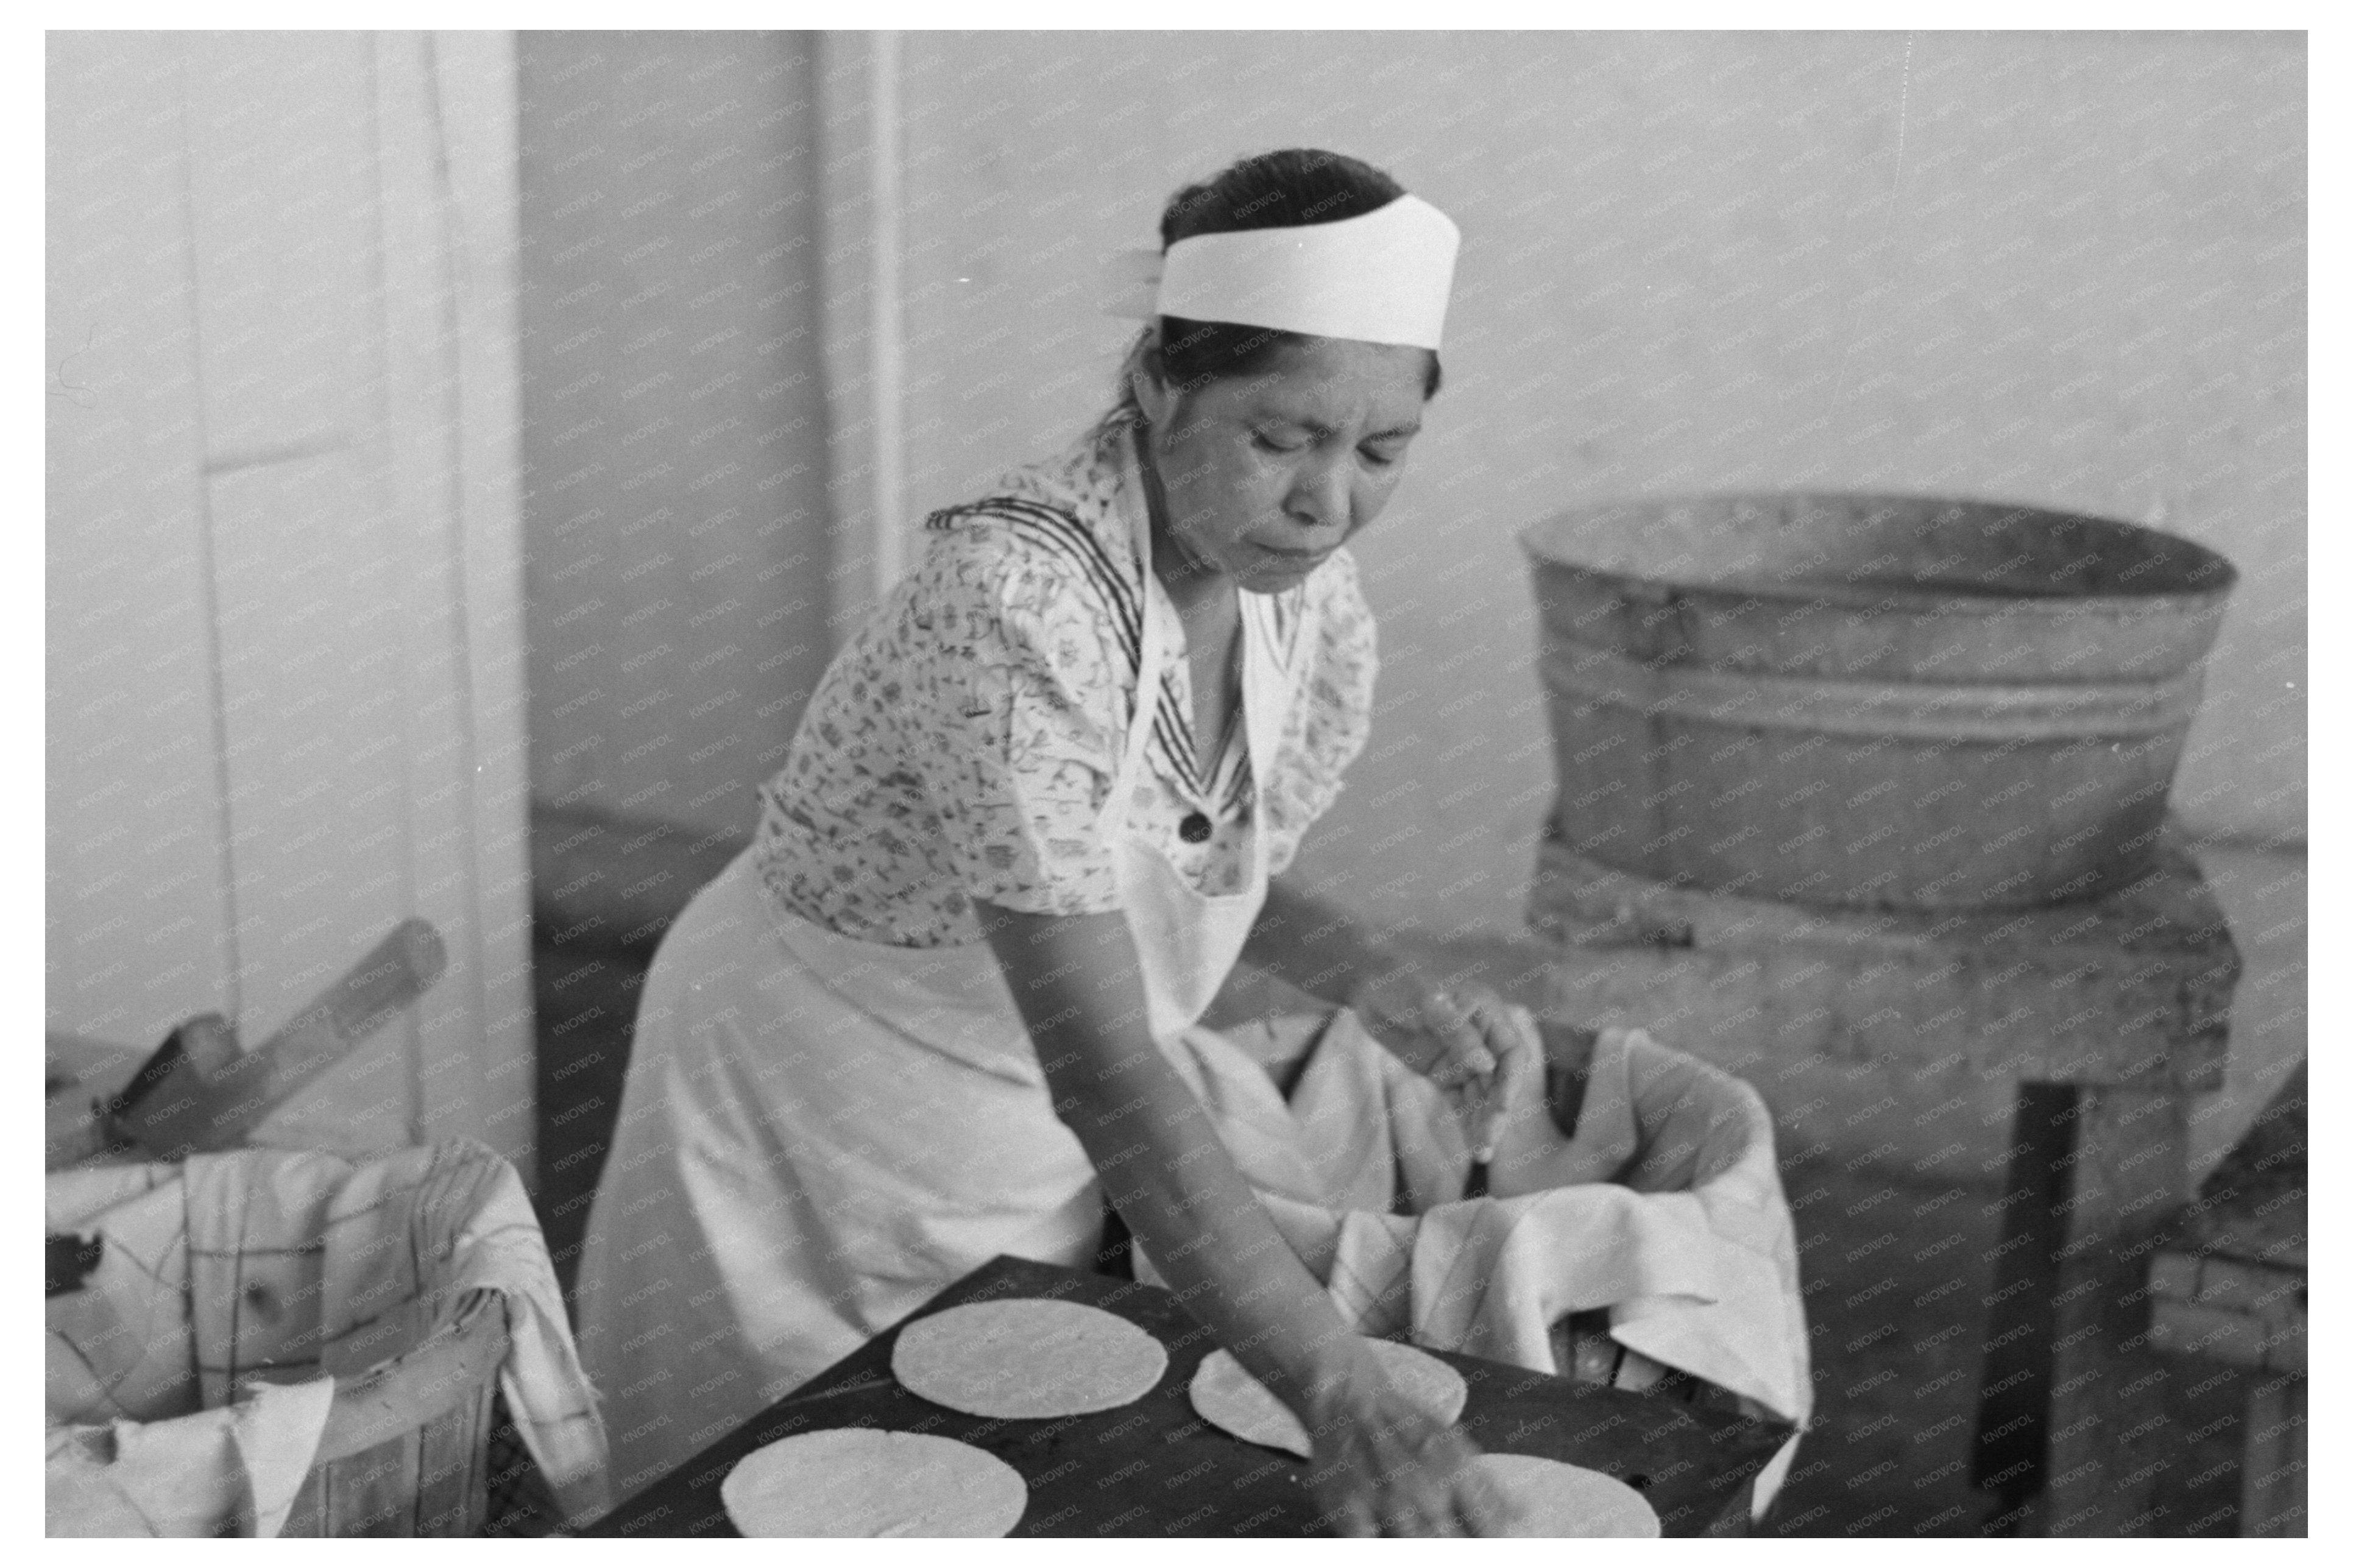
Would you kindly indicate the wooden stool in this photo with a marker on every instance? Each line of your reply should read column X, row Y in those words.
column 2096, row 1020
column 2229, row 1287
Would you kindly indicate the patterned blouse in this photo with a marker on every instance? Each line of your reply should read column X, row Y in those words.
column 963, row 744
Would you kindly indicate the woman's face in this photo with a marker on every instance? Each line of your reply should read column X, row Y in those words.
column 1265, row 477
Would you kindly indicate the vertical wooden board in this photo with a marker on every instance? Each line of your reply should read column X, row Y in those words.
column 861, row 539
column 281, row 189
column 442, row 1458
column 419, row 482
column 425, row 480
column 473, row 75
column 400, row 1503
column 374, row 1490
column 311, row 638
column 451, row 1470
column 136, row 888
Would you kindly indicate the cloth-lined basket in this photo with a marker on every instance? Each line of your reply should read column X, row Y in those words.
column 288, row 1343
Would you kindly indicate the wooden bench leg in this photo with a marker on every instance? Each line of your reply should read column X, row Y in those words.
column 2271, row 1477
column 2014, row 1389
column 2113, row 1436
column 2073, row 1434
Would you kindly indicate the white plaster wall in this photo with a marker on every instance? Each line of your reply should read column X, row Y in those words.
column 674, row 434
column 2061, row 268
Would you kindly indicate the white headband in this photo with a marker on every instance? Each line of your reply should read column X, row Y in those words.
column 1382, row 278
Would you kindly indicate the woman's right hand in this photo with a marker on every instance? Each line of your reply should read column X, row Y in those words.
column 1381, row 1465
column 1385, row 1466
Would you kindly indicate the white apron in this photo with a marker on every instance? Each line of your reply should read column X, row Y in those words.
column 819, row 1134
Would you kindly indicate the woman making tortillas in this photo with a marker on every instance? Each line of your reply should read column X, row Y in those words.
column 936, row 1011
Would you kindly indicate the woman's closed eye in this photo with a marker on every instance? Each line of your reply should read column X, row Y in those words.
column 1379, row 457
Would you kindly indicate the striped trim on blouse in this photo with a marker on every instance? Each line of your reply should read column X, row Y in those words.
column 1062, row 534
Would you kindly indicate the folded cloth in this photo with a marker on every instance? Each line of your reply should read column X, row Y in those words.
column 292, row 1262
column 1666, row 1209
column 231, row 1470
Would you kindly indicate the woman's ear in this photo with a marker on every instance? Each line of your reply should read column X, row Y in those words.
column 1147, row 378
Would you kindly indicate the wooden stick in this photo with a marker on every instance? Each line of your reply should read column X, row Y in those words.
column 195, row 1095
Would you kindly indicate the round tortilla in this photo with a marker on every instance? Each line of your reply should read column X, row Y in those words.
column 1027, row 1359
column 1227, row 1397
column 1556, row 1499
column 859, row 1482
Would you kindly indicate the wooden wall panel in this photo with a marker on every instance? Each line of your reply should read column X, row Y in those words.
column 136, row 885
column 283, row 197
column 286, row 636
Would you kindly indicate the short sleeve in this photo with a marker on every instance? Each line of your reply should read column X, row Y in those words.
column 1019, row 745
column 1333, row 718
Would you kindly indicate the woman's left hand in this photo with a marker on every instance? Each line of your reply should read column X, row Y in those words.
column 1475, row 1046
column 1494, row 1058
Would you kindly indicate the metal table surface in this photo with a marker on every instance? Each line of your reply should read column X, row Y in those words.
column 1153, row 1468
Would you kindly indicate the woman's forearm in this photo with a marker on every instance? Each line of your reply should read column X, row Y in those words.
column 1320, row 948
column 1169, row 1175
column 1316, row 946
column 1078, row 986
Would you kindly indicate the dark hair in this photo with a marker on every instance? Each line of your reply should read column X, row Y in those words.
column 1286, row 189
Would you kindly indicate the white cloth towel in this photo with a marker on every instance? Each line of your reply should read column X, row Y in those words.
column 235, row 1468
column 292, row 1263
column 1670, row 1213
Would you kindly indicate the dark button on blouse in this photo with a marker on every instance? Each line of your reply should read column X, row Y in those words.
column 1194, row 829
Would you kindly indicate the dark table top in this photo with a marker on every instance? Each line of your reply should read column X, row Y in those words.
column 1154, row 1468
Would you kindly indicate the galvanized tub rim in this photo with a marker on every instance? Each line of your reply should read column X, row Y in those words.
column 2217, row 574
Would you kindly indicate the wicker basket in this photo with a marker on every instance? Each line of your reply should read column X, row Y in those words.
column 405, row 1450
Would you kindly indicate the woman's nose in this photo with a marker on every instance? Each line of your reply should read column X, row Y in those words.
column 1321, row 496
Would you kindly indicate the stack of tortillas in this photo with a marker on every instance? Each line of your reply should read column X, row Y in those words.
column 1227, row 1397
column 859, row 1482
column 1029, row 1359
